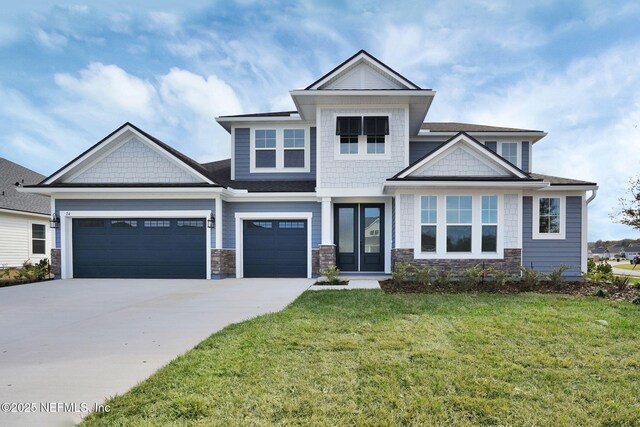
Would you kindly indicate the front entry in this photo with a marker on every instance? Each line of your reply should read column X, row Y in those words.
column 359, row 237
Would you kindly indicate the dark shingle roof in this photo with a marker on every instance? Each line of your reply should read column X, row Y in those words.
column 220, row 172
column 556, row 180
column 272, row 114
column 468, row 127
column 10, row 198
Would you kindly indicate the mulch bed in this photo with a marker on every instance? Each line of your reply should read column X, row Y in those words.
column 628, row 293
column 341, row 283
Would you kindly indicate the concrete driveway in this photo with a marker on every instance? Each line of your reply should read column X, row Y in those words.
column 71, row 344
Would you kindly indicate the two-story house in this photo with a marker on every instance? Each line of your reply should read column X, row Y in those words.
column 353, row 177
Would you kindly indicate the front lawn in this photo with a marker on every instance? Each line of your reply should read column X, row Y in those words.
column 370, row 358
column 627, row 266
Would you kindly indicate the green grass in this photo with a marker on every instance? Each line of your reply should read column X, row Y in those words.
column 369, row 358
column 627, row 267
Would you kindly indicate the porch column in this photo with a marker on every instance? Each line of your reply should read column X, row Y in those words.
column 218, row 225
column 327, row 250
column 327, row 237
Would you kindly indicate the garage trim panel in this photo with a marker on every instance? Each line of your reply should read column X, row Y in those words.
column 241, row 216
column 66, row 230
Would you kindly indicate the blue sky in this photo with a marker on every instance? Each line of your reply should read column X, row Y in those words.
column 71, row 72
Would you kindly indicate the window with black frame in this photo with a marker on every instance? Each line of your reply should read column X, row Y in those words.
column 376, row 128
column 349, row 129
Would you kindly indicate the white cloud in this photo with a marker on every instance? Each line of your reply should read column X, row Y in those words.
column 110, row 88
column 164, row 21
column 50, row 40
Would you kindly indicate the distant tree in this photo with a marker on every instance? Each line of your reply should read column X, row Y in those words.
column 628, row 212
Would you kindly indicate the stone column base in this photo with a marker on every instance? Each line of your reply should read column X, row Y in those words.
column 55, row 262
column 223, row 263
column 510, row 263
column 327, row 256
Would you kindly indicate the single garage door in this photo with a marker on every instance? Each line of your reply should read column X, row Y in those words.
column 274, row 248
column 139, row 248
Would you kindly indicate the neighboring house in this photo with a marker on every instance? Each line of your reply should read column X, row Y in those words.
column 616, row 251
column 600, row 252
column 632, row 251
column 24, row 218
column 354, row 177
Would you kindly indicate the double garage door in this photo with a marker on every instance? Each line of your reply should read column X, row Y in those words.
column 176, row 248
column 139, row 248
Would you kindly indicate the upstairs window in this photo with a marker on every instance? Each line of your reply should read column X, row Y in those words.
column 293, row 148
column 265, row 148
column 362, row 134
column 510, row 152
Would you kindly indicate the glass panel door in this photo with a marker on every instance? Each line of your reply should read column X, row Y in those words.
column 346, row 226
column 372, row 237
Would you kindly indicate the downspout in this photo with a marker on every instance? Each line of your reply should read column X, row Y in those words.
column 593, row 195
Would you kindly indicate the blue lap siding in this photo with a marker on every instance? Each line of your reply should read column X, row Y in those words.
column 135, row 205
column 525, row 156
column 229, row 221
column 546, row 255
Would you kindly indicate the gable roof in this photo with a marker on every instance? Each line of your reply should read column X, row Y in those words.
column 185, row 160
column 10, row 199
column 518, row 173
column 468, row 127
column 557, row 180
column 366, row 56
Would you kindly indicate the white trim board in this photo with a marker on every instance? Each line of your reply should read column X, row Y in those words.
column 535, row 210
column 66, row 231
column 241, row 216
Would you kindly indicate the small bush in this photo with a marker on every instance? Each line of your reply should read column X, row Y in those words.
column 443, row 278
column 331, row 274
column 425, row 275
column 500, row 278
column 591, row 265
column 471, row 276
column 529, row 278
column 555, row 277
column 38, row 271
column 601, row 293
column 403, row 273
column 604, row 267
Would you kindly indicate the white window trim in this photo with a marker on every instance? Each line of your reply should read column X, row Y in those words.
column 66, row 231
column 362, row 139
column 279, row 149
column 535, row 223
column 45, row 238
column 518, row 151
column 242, row 216
column 476, row 227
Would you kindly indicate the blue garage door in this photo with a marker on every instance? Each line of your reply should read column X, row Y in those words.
column 275, row 248
column 139, row 248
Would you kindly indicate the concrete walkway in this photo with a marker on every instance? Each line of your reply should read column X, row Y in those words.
column 78, row 342
column 352, row 284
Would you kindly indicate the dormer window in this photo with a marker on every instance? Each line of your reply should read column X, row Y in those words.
column 366, row 134
column 280, row 149
column 510, row 152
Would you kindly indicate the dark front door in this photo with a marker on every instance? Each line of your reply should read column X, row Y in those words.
column 274, row 248
column 346, row 237
column 359, row 237
column 372, row 237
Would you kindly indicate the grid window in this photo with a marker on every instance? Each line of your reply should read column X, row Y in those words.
column 122, row 223
column 291, row 224
column 190, row 223
column 265, row 138
column 489, row 223
column 265, row 148
column 294, row 138
column 38, row 239
column 428, row 223
column 510, row 152
column 157, row 223
column 459, row 212
column 348, row 144
column 375, row 144
column 549, row 209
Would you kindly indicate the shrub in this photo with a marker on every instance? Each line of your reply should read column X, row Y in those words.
column 555, row 277
column 604, row 267
column 471, row 276
column 403, row 272
column 38, row 271
column 425, row 275
column 591, row 265
column 500, row 277
column 601, row 293
column 529, row 278
column 443, row 278
column 331, row 274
